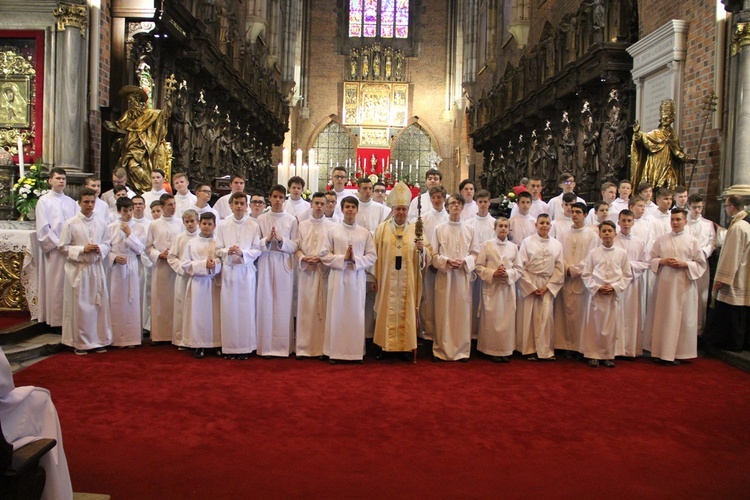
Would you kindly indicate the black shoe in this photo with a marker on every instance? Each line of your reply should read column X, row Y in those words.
column 609, row 363
column 230, row 356
column 332, row 361
column 380, row 356
column 199, row 353
column 464, row 360
column 532, row 357
column 593, row 363
column 243, row 357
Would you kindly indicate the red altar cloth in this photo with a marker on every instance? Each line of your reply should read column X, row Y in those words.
column 364, row 160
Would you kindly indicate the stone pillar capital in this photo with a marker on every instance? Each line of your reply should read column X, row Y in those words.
column 71, row 15
column 740, row 38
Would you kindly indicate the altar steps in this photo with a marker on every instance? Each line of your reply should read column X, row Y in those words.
column 28, row 342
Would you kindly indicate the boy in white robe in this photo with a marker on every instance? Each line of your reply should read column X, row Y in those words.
column 600, row 213
column 671, row 321
column 331, row 207
column 155, row 210
column 646, row 191
column 522, row 223
column 296, row 205
column 566, row 182
column 436, row 215
column 570, row 305
column 538, row 206
column 101, row 209
column 432, row 178
column 238, row 247
column 119, row 178
column 257, row 205
column 276, row 278
column 543, row 277
column 52, row 210
column 183, row 198
column 237, row 184
column 455, row 258
column 203, row 196
column 629, row 342
column 484, row 230
column 348, row 250
column 660, row 218
column 642, row 229
column 85, row 242
column 175, row 258
column 144, row 264
column 498, row 267
column 466, row 188
column 127, row 244
column 161, row 235
column 563, row 223
column 624, row 189
column 313, row 279
column 157, row 189
column 609, row 193
column 703, row 230
column 201, row 321
column 379, row 192
column 606, row 275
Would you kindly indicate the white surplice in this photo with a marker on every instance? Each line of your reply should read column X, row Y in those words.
column 497, row 321
column 124, row 283
column 28, row 414
column 537, row 207
column 571, row 304
column 469, row 211
column 426, row 205
column 239, row 334
column 161, row 235
column 345, row 314
column 521, row 227
column 543, row 265
column 274, row 300
column 108, row 197
column 630, row 340
column 643, row 229
column 430, row 221
column 144, row 274
column 52, row 210
column 313, row 281
column 556, row 210
column 149, row 197
column 484, row 230
column 222, row 207
column 201, row 318
column 703, row 230
column 206, row 209
column 615, row 208
column 298, row 208
column 101, row 210
column 86, row 319
column 671, row 321
column 175, row 258
column 183, row 202
column 603, row 316
column 369, row 215
column 455, row 240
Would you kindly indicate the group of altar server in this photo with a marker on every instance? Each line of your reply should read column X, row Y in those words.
column 631, row 275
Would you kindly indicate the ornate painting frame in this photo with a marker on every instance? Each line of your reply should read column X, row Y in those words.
column 15, row 102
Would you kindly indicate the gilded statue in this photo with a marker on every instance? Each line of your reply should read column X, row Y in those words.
column 143, row 145
column 657, row 157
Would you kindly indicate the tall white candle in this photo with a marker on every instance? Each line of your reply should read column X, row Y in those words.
column 299, row 159
column 20, row 157
column 286, row 157
column 313, row 177
column 282, row 174
column 311, row 157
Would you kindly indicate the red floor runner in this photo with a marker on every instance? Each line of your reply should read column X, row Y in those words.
column 10, row 319
column 156, row 423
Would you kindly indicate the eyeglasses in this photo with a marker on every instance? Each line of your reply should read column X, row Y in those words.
column 339, row 177
column 257, row 202
column 379, row 191
column 570, row 182
column 204, row 191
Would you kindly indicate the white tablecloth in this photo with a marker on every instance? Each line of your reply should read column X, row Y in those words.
column 20, row 237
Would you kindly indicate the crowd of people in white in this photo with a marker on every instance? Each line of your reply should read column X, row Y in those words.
column 297, row 277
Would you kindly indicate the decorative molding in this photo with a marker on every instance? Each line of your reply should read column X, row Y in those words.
column 69, row 14
column 741, row 37
column 15, row 64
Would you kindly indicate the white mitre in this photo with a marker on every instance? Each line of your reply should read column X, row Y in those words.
column 400, row 195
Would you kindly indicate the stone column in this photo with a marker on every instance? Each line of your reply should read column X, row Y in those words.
column 70, row 94
column 740, row 126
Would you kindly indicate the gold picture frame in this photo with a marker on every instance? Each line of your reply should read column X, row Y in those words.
column 15, row 102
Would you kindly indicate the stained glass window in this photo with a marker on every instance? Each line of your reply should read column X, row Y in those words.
column 333, row 147
column 389, row 18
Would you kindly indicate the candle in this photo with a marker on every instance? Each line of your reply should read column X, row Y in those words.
column 299, row 159
column 20, row 157
column 313, row 177
column 286, row 157
column 283, row 174
column 382, row 164
column 311, row 157
column 304, row 171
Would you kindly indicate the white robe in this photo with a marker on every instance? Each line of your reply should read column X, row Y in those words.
column 239, row 334
column 733, row 269
column 484, row 230
column 313, row 281
column 543, row 265
column 603, row 318
column 560, row 227
column 345, row 315
column 497, row 320
column 703, row 230
column 274, row 299
column 369, row 215
column 671, row 321
column 426, row 205
column 455, row 240
column 430, row 221
column 124, row 284
column 101, row 210
column 144, row 273
column 521, row 227
column 183, row 202
column 556, row 210
column 175, row 258
column 630, row 340
column 201, row 320
column 615, row 208
column 52, row 210
column 571, row 304
column 222, row 206
column 161, row 235
column 642, row 228
column 206, row 209
column 108, row 197
column 86, row 319
column 298, row 208
column 28, row 414
column 149, row 197
column 469, row 211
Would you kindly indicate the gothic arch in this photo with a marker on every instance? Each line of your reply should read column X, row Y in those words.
column 323, row 124
column 414, row 120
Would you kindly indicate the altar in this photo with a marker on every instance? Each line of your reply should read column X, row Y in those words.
column 19, row 254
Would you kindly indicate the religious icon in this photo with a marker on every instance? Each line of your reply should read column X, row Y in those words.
column 14, row 102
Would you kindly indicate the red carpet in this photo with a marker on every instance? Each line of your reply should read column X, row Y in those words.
column 10, row 319
column 156, row 423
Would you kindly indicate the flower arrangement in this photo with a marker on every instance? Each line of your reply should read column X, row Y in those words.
column 506, row 202
column 307, row 195
column 28, row 189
